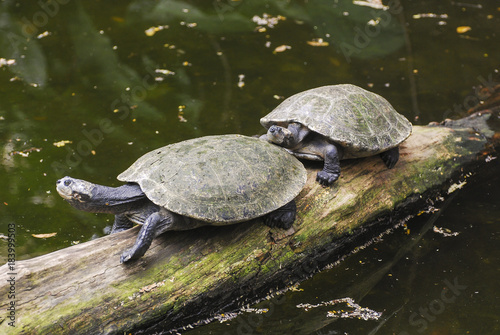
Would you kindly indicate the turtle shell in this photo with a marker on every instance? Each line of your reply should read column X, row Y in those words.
column 220, row 179
column 362, row 122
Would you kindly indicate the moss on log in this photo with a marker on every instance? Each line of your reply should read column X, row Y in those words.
column 187, row 276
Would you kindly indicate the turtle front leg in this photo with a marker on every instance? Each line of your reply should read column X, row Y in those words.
column 149, row 230
column 331, row 169
column 390, row 157
column 283, row 217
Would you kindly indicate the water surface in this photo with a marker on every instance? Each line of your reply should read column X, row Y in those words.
column 86, row 87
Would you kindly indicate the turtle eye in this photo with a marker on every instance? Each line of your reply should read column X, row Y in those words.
column 67, row 182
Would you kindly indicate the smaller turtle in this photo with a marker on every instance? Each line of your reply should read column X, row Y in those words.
column 212, row 180
column 337, row 122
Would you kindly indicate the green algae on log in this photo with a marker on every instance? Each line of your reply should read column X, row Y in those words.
column 191, row 275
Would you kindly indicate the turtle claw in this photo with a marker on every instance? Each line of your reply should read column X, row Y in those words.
column 283, row 217
column 326, row 178
column 128, row 255
column 125, row 257
column 282, row 221
column 390, row 157
column 134, row 253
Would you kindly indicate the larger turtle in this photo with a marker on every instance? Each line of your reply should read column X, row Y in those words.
column 337, row 122
column 213, row 180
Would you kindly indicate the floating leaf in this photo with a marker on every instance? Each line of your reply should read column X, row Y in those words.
column 44, row 34
column 241, row 82
column 318, row 42
column 7, row 62
column 44, row 235
column 377, row 4
column 153, row 30
column 282, row 48
column 456, row 186
column 267, row 20
column 25, row 153
column 463, row 29
column 61, row 143
column 430, row 15
column 444, row 231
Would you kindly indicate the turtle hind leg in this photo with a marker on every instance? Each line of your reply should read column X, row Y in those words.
column 283, row 217
column 390, row 157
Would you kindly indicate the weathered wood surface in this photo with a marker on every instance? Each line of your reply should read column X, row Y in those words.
column 186, row 276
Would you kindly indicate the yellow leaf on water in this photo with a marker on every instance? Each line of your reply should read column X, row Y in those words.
column 463, row 29
column 153, row 30
column 44, row 235
column 318, row 42
column 282, row 48
column 62, row 143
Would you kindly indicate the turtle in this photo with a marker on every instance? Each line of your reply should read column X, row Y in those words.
column 337, row 122
column 213, row 180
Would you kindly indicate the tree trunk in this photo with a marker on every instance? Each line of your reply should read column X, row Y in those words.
column 192, row 275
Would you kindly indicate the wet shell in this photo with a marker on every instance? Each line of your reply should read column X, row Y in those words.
column 364, row 123
column 220, row 179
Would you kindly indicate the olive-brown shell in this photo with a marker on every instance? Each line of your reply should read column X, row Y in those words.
column 362, row 122
column 220, row 179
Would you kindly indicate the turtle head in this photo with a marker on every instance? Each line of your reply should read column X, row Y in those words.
column 79, row 193
column 280, row 136
column 94, row 198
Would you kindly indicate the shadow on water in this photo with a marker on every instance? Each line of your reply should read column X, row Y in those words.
column 87, row 87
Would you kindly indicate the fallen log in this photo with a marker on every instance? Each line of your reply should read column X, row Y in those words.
column 192, row 275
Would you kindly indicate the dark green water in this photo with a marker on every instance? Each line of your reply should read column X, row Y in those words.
column 87, row 73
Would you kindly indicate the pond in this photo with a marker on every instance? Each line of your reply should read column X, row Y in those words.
column 86, row 87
